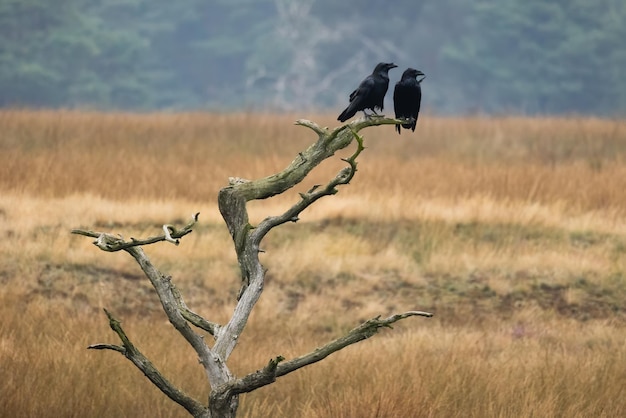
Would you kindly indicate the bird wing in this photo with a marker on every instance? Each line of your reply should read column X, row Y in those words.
column 360, row 98
column 401, row 100
column 364, row 89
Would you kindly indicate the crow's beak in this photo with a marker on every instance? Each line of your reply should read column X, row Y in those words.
column 392, row 65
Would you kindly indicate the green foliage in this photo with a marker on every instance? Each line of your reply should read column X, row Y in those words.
column 483, row 55
column 542, row 57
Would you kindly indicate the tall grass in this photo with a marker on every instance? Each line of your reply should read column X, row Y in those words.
column 527, row 368
column 512, row 230
column 190, row 156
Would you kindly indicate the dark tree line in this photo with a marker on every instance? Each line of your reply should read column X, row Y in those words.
column 483, row 55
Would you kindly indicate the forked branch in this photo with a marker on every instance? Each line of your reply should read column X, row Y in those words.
column 111, row 243
column 142, row 363
column 362, row 332
column 328, row 143
column 344, row 176
column 277, row 367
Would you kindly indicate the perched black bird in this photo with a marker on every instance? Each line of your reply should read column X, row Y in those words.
column 371, row 92
column 407, row 97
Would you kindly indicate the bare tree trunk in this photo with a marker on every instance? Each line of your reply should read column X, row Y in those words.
column 225, row 387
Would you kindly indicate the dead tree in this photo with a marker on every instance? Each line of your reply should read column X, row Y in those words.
column 225, row 387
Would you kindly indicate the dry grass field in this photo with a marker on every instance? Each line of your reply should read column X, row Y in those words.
column 511, row 230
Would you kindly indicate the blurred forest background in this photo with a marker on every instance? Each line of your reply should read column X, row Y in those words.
column 504, row 56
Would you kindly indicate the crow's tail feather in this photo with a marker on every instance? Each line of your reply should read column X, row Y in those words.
column 346, row 114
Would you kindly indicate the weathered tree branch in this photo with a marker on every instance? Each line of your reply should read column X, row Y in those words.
column 214, row 366
column 277, row 367
column 127, row 348
column 112, row 243
column 362, row 332
column 291, row 215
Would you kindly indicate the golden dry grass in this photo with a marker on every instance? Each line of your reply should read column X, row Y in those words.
column 512, row 230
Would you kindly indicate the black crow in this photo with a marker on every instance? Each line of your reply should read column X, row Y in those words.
column 407, row 96
column 371, row 92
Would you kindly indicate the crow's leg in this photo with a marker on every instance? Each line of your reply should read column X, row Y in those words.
column 378, row 115
column 372, row 115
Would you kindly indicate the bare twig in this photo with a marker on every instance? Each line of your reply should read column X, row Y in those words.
column 107, row 347
column 112, row 243
column 313, row 126
column 195, row 319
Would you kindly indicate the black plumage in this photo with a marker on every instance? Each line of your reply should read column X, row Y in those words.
column 407, row 97
column 371, row 92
